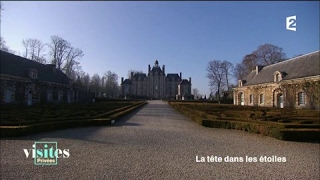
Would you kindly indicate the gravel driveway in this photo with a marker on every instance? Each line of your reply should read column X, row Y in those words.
column 156, row 142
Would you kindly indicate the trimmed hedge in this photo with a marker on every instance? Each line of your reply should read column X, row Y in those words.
column 305, row 130
column 11, row 115
column 13, row 131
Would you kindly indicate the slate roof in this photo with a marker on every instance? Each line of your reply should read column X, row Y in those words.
column 157, row 69
column 184, row 81
column 173, row 76
column 298, row 67
column 14, row 65
column 127, row 81
column 141, row 75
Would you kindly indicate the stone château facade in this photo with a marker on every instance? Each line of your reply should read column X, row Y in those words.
column 27, row 82
column 292, row 83
column 156, row 84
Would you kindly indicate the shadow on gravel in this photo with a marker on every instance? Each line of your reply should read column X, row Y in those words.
column 91, row 134
column 79, row 133
column 123, row 120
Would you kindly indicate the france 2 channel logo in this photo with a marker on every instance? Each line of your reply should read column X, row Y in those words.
column 291, row 23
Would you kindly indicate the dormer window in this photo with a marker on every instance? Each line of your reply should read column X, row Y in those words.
column 33, row 74
column 277, row 77
column 240, row 83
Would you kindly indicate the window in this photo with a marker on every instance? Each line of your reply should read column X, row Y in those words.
column 301, row 98
column 8, row 96
column 49, row 95
column 277, row 77
column 240, row 83
column 68, row 97
column 60, row 95
column 261, row 98
column 251, row 98
column 241, row 98
column 126, row 89
column 33, row 74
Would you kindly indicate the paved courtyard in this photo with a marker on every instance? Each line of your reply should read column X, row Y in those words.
column 156, row 142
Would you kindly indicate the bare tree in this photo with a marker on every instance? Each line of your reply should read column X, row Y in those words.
column 268, row 54
column 72, row 65
column 85, row 79
column 216, row 76
column 3, row 45
column 249, row 61
column 239, row 71
column 226, row 67
column 75, row 71
column 95, row 83
column 111, row 84
column 33, row 50
column 64, row 56
column 25, row 44
column 39, row 57
column 195, row 92
column 59, row 49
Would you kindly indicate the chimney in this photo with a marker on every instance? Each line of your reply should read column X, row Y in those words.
column 180, row 75
column 190, row 80
column 131, row 75
column 163, row 69
column 149, row 69
column 121, row 80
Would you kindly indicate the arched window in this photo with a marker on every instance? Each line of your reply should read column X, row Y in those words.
column 241, row 98
column 277, row 77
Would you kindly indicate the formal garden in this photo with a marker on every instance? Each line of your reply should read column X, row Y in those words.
column 284, row 124
column 18, row 120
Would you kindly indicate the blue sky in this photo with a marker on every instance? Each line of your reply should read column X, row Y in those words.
column 185, row 36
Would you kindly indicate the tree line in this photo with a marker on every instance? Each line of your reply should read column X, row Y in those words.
column 219, row 72
column 65, row 57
